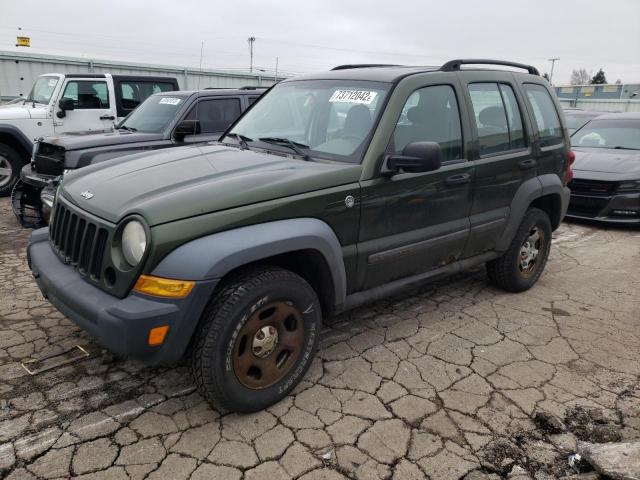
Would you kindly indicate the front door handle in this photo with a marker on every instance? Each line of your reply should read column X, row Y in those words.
column 107, row 117
column 527, row 164
column 458, row 179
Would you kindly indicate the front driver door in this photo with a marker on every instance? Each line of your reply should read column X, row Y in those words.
column 415, row 222
column 93, row 109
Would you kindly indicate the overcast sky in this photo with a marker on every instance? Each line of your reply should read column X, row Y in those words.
column 310, row 36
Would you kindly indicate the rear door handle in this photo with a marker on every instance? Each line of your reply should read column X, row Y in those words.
column 527, row 164
column 457, row 179
column 107, row 117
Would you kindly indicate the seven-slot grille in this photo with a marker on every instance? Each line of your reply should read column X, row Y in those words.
column 78, row 241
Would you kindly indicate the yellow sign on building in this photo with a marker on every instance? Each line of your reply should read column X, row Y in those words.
column 23, row 42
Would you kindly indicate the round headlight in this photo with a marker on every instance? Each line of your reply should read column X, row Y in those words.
column 134, row 242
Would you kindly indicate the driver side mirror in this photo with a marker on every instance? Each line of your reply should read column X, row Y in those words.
column 65, row 104
column 416, row 157
column 187, row 127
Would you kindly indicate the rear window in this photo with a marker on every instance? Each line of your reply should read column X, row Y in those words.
column 544, row 113
column 134, row 92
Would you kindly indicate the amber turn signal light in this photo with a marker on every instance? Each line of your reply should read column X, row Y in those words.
column 157, row 334
column 163, row 287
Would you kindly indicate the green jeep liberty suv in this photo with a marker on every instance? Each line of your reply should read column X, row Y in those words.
column 330, row 191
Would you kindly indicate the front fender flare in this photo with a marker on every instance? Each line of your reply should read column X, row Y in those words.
column 18, row 135
column 215, row 255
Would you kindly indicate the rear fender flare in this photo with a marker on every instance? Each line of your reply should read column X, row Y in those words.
column 526, row 193
column 213, row 256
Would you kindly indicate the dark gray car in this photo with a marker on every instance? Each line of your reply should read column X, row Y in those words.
column 164, row 120
column 606, row 183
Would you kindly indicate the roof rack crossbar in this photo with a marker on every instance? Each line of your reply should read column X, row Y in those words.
column 454, row 65
column 363, row 65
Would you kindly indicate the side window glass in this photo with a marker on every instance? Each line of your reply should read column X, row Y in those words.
column 87, row 94
column 252, row 100
column 215, row 115
column 430, row 115
column 490, row 117
column 514, row 118
column 544, row 113
column 133, row 93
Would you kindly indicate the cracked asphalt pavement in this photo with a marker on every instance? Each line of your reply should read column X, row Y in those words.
column 452, row 380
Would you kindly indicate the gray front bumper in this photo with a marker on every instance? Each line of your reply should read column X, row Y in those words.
column 121, row 325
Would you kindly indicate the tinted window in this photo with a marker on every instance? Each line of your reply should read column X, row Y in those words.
column 215, row 115
column 430, row 115
column 87, row 94
column 544, row 112
column 135, row 92
column 252, row 100
column 514, row 118
column 491, row 118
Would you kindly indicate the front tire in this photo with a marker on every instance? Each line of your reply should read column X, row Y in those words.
column 519, row 268
column 10, row 166
column 256, row 339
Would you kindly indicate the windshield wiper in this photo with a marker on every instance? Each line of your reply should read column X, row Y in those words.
column 625, row 148
column 242, row 139
column 124, row 127
column 295, row 146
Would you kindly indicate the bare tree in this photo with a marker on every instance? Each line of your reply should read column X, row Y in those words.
column 580, row 77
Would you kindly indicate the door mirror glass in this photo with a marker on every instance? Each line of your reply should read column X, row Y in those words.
column 416, row 157
column 187, row 127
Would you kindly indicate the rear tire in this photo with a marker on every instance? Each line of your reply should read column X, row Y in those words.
column 521, row 265
column 256, row 339
column 10, row 166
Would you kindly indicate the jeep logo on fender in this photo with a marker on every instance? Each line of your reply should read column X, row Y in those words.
column 87, row 195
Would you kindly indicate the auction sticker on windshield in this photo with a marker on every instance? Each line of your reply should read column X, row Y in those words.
column 169, row 101
column 353, row 96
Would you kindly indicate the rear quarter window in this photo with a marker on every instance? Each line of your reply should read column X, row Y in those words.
column 545, row 114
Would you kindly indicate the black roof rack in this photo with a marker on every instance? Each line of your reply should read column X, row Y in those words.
column 246, row 87
column 363, row 65
column 454, row 65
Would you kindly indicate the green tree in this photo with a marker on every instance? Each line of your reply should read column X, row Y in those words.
column 599, row 78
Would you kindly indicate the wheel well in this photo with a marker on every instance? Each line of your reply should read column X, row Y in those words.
column 552, row 205
column 15, row 144
column 310, row 265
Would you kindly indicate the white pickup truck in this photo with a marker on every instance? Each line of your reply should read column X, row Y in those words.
column 63, row 103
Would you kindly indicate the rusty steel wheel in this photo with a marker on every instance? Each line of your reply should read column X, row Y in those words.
column 268, row 345
column 520, row 266
column 530, row 250
column 256, row 339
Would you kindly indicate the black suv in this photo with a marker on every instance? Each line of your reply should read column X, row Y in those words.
column 331, row 191
column 166, row 119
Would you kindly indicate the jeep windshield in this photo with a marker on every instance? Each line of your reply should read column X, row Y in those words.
column 328, row 119
column 154, row 114
column 42, row 90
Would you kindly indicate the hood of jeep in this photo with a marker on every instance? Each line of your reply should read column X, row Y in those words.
column 92, row 139
column 182, row 182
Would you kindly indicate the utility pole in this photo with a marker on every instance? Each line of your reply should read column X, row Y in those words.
column 200, row 74
column 276, row 79
column 251, row 41
column 553, row 63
